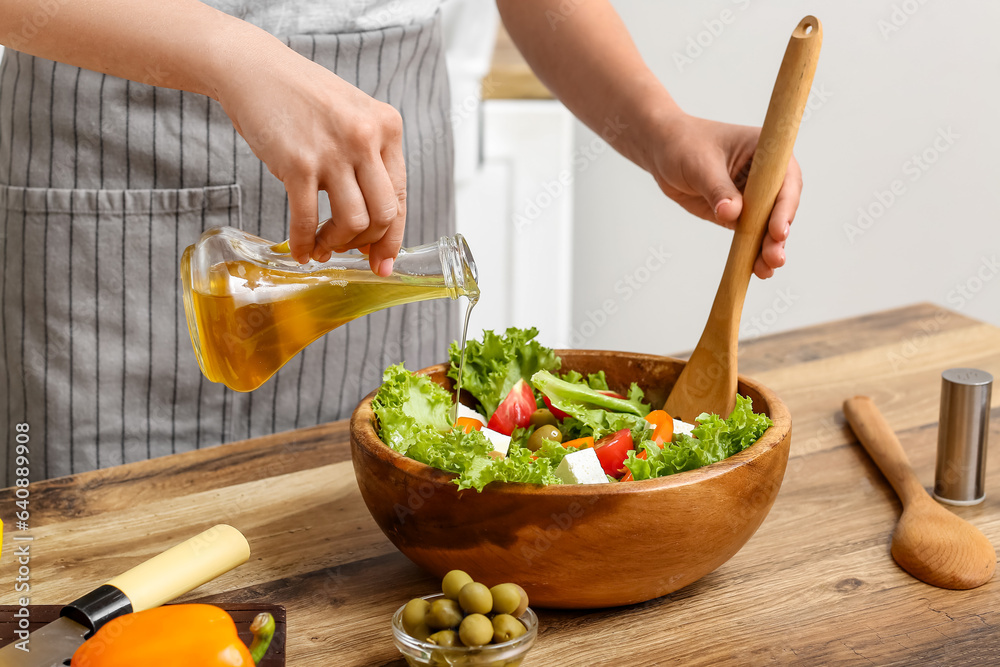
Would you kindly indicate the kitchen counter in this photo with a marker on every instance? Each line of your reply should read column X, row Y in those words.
column 815, row 585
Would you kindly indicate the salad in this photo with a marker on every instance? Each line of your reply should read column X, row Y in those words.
column 537, row 425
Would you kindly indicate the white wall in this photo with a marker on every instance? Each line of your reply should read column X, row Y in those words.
column 887, row 98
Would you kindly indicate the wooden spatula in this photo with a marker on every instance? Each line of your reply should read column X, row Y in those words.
column 929, row 542
column 708, row 381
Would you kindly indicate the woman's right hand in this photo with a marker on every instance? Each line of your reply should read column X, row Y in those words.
column 315, row 131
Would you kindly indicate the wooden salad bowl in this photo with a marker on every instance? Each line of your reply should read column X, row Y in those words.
column 579, row 546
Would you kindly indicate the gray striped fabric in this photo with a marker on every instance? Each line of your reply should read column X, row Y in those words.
column 105, row 182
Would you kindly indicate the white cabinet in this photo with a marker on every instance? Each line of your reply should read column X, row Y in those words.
column 516, row 210
column 513, row 178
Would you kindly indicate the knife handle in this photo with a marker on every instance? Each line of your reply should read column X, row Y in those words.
column 164, row 577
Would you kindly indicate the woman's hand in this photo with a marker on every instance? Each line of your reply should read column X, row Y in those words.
column 703, row 165
column 315, row 131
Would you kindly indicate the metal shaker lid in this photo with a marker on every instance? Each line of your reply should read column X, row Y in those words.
column 972, row 377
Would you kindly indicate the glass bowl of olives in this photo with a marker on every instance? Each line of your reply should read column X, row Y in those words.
column 467, row 624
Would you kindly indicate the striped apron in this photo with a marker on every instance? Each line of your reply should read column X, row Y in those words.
column 104, row 182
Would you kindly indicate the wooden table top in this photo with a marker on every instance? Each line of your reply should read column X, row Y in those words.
column 816, row 585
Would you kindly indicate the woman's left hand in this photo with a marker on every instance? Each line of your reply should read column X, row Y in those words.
column 703, row 164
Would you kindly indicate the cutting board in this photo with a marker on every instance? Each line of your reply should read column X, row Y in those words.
column 242, row 614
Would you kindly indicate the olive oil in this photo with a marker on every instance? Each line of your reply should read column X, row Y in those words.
column 249, row 316
column 473, row 300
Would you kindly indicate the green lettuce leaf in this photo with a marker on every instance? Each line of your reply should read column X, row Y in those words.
column 563, row 392
column 711, row 441
column 494, row 364
column 413, row 414
column 593, row 380
column 410, row 407
column 517, row 466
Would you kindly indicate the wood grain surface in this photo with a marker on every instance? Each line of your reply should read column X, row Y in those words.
column 816, row 584
column 929, row 542
column 242, row 614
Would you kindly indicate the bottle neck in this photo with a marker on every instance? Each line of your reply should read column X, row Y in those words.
column 459, row 268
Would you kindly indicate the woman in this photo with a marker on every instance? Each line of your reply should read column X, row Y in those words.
column 109, row 171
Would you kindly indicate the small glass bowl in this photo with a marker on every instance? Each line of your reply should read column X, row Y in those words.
column 507, row 654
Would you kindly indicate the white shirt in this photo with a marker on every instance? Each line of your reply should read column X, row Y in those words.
column 303, row 17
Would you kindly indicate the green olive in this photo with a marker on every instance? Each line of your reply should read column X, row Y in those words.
column 506, row 598
column 542, row 416
column 444, row 614
column 445, row 638
column 541, row 434
column 475, row 630
column 524, row 602
column 453, row 582
column 415, row 614
column 506, row 627
column 420, row 632
column 475, row 598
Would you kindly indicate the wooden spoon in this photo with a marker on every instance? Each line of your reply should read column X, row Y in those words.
column 708, row 381
column 929, row 542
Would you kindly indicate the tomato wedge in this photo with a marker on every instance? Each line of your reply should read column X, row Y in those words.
column 514, row 410
column 612, row 450
column 556, row 412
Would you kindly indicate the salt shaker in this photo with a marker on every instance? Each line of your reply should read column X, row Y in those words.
column 963, row 428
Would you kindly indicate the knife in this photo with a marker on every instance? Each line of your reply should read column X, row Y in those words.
column 162, row 578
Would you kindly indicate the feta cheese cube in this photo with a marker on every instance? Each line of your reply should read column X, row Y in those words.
column 679, row 427
column 465, row 411
column 501, row 442
column 682, row 427
column 582, row 467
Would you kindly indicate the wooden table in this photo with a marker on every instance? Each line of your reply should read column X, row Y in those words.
column 816, row 585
